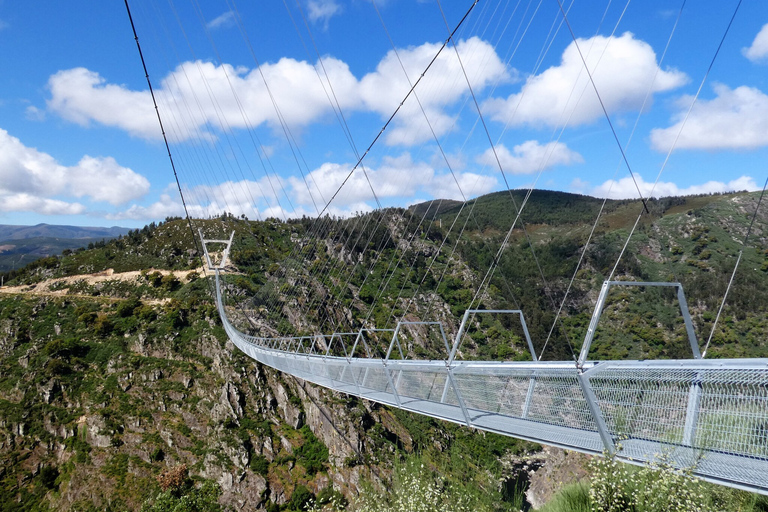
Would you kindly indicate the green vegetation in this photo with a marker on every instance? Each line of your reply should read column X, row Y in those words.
column 617, row 487
column 418, row 488
column 119, row 381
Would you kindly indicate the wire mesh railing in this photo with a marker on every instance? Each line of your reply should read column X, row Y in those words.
column 710, row 416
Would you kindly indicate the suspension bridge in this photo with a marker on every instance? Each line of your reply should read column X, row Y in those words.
column 708, row 416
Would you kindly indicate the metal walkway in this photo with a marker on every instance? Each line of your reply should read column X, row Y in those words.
column 709, row 415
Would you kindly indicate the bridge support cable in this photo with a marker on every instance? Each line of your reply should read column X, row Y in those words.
column 162, row 129
column 446, row 160
column 602, row 105
column 706, row 416
column 411, row 91
column 289, row 136
column 679, row 132
column 489, row 275
column 646, row 98
column 735, row 267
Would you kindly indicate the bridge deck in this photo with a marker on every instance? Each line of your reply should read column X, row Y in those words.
column 707, row 415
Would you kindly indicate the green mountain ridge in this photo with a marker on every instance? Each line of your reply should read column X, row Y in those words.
column 20, row 245
column 110, row 383
column 10, row 232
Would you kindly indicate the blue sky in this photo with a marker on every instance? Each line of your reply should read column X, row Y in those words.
column 253, row 95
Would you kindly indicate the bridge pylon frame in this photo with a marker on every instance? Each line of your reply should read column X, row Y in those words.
column 709, row 417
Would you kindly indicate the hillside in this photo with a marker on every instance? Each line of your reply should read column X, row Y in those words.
column 114, row 369
column 111, row 379
column 20, row 245
column 9, row 232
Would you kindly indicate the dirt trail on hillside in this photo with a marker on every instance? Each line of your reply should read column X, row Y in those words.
column 59, row 286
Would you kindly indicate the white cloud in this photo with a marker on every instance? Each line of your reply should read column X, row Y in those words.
column 322, row 11
column 625, row 188
column 758, row 51
column 29, row 203
column 444, row 84
column 165, row 207
column 198, row 97
column 530, row 157
column 469, row 185
column 34, row 114
column 396, row 177
column 223, row 21
column 734, row 119
column 103, row 179
column 623, row 69
column 3, row 25
column 30, row 180
column 82, row 96
column 237, row 198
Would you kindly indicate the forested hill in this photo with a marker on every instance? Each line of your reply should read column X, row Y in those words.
column 9, row 232
column 20, row 245
column 119, row 389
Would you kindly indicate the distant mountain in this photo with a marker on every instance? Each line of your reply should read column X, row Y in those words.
column 8, row 232
column 20, row 245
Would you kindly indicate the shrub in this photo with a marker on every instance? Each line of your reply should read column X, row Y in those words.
column 127, row 307
column 103, row 326
column 658, row 487
column 300, row 498
column 204, row 499
column 415, row 490
column 157, row 455
column 260, row 465
column 313, row 454
column 48, row 476
column 155, row 278
column 172, row 479
column 170, row 282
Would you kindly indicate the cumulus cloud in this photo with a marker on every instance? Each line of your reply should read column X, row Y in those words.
column 623, row 68
column 399, row 178
column 82, row 96
column 167, row 206
column 530, row 157
column 223, row 21
column 103, row 179
column 22, row 202
column 758, row 51
column 625, row 188
column 444, row 84
column 734, row 119
column 465, row 186
column 30, row 180
column 198, row 97
column 395, row 177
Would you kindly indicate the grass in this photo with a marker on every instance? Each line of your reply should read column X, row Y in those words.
column 572, row 498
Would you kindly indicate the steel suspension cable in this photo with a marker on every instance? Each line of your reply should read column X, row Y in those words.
column 735, row 268
column 498, row 162
column 600, row 100
column 162, row 129
column 629, row 140
column 677, row 136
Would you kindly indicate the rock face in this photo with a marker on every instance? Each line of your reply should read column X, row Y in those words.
column 111, row 411
column 556, row 468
